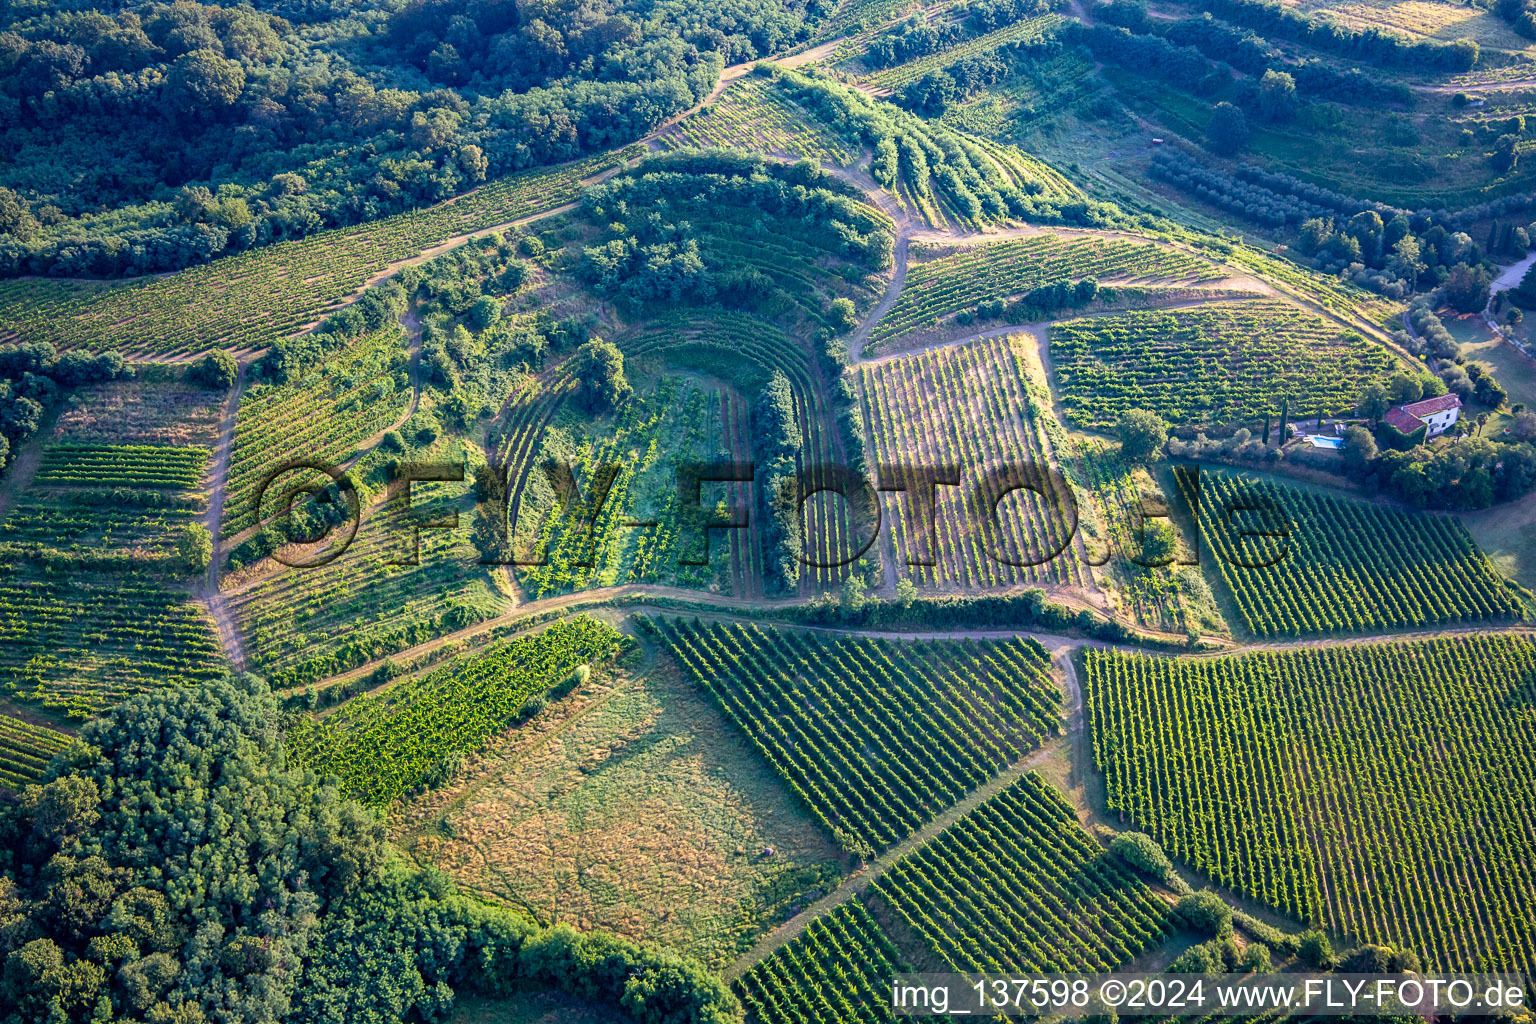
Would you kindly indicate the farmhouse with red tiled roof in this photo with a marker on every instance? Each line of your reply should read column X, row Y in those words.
column 1437, row 415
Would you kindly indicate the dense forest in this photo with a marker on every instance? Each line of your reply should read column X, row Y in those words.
column 175, row 868
column 147, row 137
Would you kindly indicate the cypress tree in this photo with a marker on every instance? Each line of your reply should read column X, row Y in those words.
column 1266, row 428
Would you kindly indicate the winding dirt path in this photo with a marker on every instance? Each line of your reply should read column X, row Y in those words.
column 229, row 634
column 892, row 293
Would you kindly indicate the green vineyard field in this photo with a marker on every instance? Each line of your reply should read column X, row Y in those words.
column 324, row 417
column 84, row 645
column 381, row 747
column 967, row 406
column 1027, row 28
column 1384, row 790
column 380, row 596
column 1018, row 885
column 249, row 300
column 25, row 750
column 944, row 280
column 125, row 465
column 874, row 737
column 1231, row 362
column 838, row 969
column 753, row 115
column 1342, row 566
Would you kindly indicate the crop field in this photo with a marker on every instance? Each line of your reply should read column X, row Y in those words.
column 1383, row 790
column 967, row 406
column 381, row 595
column 106, row 537
column 891, row 79
column 1341, row 566
column 1230, row 362
column 639, row 784
column 382, row 747
column 945, row 280
column 324, row 417
column 838, row 969
column 25, row 750
column 1018, row 885
column 121, row 465
column 270, row 292
column 83, row 645
column 754, row 115
column 955, row 335
column 869, row 734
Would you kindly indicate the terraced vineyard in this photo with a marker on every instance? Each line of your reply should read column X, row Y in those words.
column 267, row 293
column 25, row 750
column 753, row 115
column 891, row 79
column 324, row 417
column 380, row 747
column 1229, row 362
column 650, row 438
column 1383, row 790
column 746, row 350
column 84, row 644
column 874, row 737
column 1340, row 566
column 838, row 969
column 125, row 465
column 1018, row 885
column 945, row 280
column 942, row 176
column 301, row 625
column 966, row 406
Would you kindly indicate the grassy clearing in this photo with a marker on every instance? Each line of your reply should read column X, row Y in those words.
column 150, row 411
column 633, row 807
